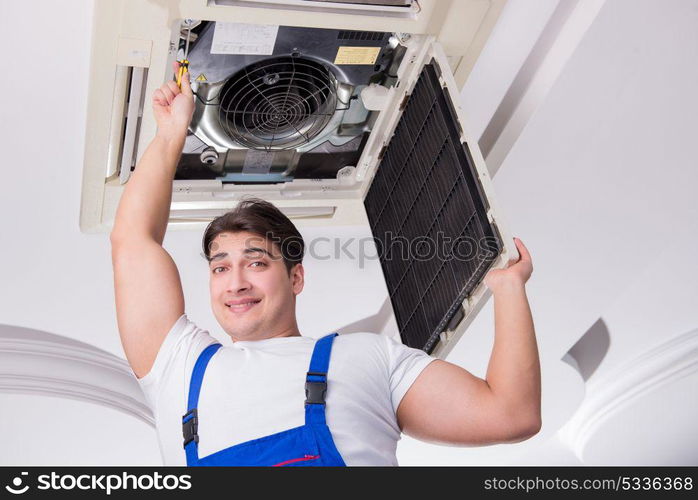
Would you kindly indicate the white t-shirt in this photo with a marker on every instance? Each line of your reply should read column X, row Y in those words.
column 256, row 388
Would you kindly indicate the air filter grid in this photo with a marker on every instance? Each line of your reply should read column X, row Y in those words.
column 425, row 197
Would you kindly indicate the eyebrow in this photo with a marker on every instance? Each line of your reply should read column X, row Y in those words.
column 246, row 251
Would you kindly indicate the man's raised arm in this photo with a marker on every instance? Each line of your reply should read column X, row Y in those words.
column 447, row 404
column 147, row 287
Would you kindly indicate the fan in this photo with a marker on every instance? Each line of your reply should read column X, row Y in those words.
column 278, row 103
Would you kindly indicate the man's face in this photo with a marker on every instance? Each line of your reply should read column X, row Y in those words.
column 252, row 295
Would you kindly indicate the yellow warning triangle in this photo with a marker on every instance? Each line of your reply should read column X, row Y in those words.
column 201, row 78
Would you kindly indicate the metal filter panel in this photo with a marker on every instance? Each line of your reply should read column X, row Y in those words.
column 428, row 215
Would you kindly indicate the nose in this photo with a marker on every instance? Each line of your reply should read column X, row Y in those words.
column 238, row 281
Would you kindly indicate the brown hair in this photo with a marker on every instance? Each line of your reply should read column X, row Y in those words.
column 262, row 218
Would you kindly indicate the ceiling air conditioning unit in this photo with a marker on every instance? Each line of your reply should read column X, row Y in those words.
column 339, row 112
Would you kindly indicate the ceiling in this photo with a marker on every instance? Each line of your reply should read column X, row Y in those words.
column 599, row 182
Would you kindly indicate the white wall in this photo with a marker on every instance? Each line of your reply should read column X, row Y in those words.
column 600, row 187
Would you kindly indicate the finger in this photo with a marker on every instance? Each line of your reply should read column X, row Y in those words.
column 186, row 85
column 175, row 67
column 167, row 93
column 173, row 87
column 525, row 255
column 159, row 98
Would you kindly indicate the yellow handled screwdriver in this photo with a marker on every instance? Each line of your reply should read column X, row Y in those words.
column 184, row 63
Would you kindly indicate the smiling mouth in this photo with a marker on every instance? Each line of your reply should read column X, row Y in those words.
column 238, row 308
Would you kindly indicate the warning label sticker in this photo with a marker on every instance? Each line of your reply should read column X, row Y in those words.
column 357, row 55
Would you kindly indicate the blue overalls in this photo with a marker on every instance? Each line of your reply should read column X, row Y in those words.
column 310, row 444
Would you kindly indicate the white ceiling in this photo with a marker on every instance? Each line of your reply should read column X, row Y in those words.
column 599, row 185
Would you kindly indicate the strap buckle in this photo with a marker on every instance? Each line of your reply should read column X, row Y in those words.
column 190, row 426
column 315, row 391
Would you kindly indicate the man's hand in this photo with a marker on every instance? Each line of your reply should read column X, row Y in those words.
column 173, row 108
column 516, row 272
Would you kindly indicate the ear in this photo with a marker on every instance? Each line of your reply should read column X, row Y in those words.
column 297, row 278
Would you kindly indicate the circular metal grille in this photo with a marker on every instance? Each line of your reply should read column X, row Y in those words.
column 278, row 103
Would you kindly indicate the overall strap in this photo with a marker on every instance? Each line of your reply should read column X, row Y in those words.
column 316, row 381
column 190, row 420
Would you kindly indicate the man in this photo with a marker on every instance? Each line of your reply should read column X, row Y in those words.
column 276, row 397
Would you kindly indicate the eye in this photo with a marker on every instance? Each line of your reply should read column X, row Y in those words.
column 216, row 268
column 259, row 262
